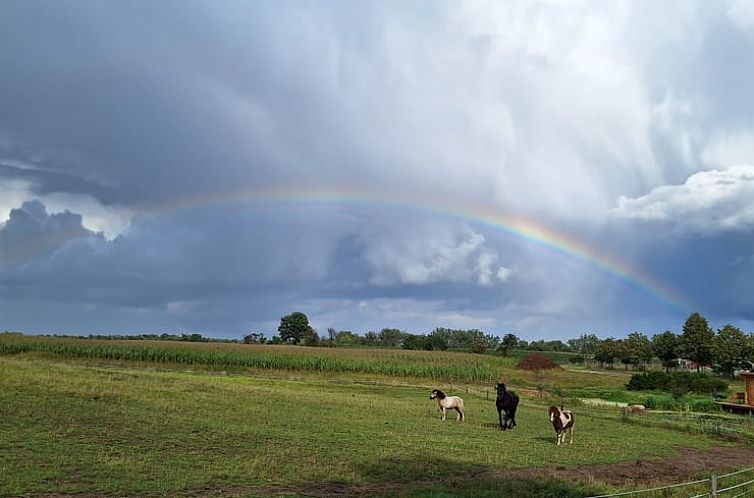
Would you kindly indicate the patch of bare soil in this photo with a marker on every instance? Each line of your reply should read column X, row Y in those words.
column 688, row 464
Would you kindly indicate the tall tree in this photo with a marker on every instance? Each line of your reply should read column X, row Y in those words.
column 608, row 351
column 584, row 344
column 666, row 347
column 639, row 347
column 698, row 339
column 732, row 350
column 509, row 342
column 310, row 338
column 390, row 338
column 371, row 339
column 294, row 327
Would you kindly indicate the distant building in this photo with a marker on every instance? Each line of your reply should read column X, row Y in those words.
column 692, row 366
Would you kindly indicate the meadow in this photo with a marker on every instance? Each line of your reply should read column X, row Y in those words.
column 94, row 419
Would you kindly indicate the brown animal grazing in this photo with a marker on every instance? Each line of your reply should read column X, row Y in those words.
column 636, row 409
column 562, row 422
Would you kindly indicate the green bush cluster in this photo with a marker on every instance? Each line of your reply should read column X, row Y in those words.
column 685, row 403
column 676, row 383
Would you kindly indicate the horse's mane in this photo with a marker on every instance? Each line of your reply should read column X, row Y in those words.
column 440, row 394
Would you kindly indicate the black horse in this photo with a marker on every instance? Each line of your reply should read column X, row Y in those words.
column 507, row 402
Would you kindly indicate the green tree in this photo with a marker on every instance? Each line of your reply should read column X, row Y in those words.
column 608, row 351
column 509, row 342
column 437, row 340
column 311, row 338
column 731, row 350
column 371, row 338
column 666, row 348
column 639, row 348
column 346, row 338
column 478, row 345
column 585, row 344
column 294, row 327
column 698, row 340
column 412, row 341
column 390, row 338
column 254, row 338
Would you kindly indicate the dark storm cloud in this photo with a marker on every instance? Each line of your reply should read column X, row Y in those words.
column 30, row 232
column 591, row 119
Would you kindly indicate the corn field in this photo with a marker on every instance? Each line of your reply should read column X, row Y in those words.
column 398, row 363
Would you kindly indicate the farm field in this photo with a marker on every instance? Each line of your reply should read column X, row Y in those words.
column 81, row 425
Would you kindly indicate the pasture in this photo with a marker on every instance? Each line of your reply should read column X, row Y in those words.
column 87, row 425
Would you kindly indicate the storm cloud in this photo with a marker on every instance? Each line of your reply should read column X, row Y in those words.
column 127, row 132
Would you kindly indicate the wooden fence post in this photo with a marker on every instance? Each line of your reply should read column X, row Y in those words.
column 713, row 486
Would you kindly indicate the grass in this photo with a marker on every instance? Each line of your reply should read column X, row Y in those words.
column 69, row 427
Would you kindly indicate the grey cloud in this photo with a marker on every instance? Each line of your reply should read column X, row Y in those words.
column 548, row 111
column 30, row 233
column 417, row 252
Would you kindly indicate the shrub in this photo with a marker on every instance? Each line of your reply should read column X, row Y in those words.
column 576, row 360
column 649, row 381
column 677, row 383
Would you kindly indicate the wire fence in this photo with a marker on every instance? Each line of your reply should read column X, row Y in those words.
column 738, row 484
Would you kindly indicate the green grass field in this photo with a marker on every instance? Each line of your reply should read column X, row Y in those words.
column 107, row 427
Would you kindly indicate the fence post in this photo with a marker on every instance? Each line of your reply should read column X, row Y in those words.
column 713, row 486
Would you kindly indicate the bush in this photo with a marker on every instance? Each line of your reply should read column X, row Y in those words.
column 677, row 383
column 576, row 360
column 649, row 381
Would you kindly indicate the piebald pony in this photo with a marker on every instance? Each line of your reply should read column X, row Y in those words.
column 445, row 403
column 562, row 422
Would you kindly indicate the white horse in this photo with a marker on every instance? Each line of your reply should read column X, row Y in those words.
column 448, row 403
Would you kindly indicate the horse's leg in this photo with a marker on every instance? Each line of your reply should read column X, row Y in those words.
column 458, row 418
column 443, row 413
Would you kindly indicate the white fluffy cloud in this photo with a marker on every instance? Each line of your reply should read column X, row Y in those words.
column 708, row 201
column 423, row 253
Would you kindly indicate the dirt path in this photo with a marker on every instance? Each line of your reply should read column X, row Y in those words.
column 688, row 464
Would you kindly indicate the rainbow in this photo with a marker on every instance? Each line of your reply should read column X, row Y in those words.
column 484, row 215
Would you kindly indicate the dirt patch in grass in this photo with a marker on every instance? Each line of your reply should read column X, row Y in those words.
column 536, row 362
column 688, row 464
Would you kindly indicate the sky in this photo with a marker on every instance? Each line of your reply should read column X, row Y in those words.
column 544, row 168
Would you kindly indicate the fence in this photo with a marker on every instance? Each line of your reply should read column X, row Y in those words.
column 739, row 484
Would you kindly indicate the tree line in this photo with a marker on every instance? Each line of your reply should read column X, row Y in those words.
column 726, row 350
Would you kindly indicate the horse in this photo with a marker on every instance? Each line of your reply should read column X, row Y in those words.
column 445, row 403
column 506, row 402
column 562, row 422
